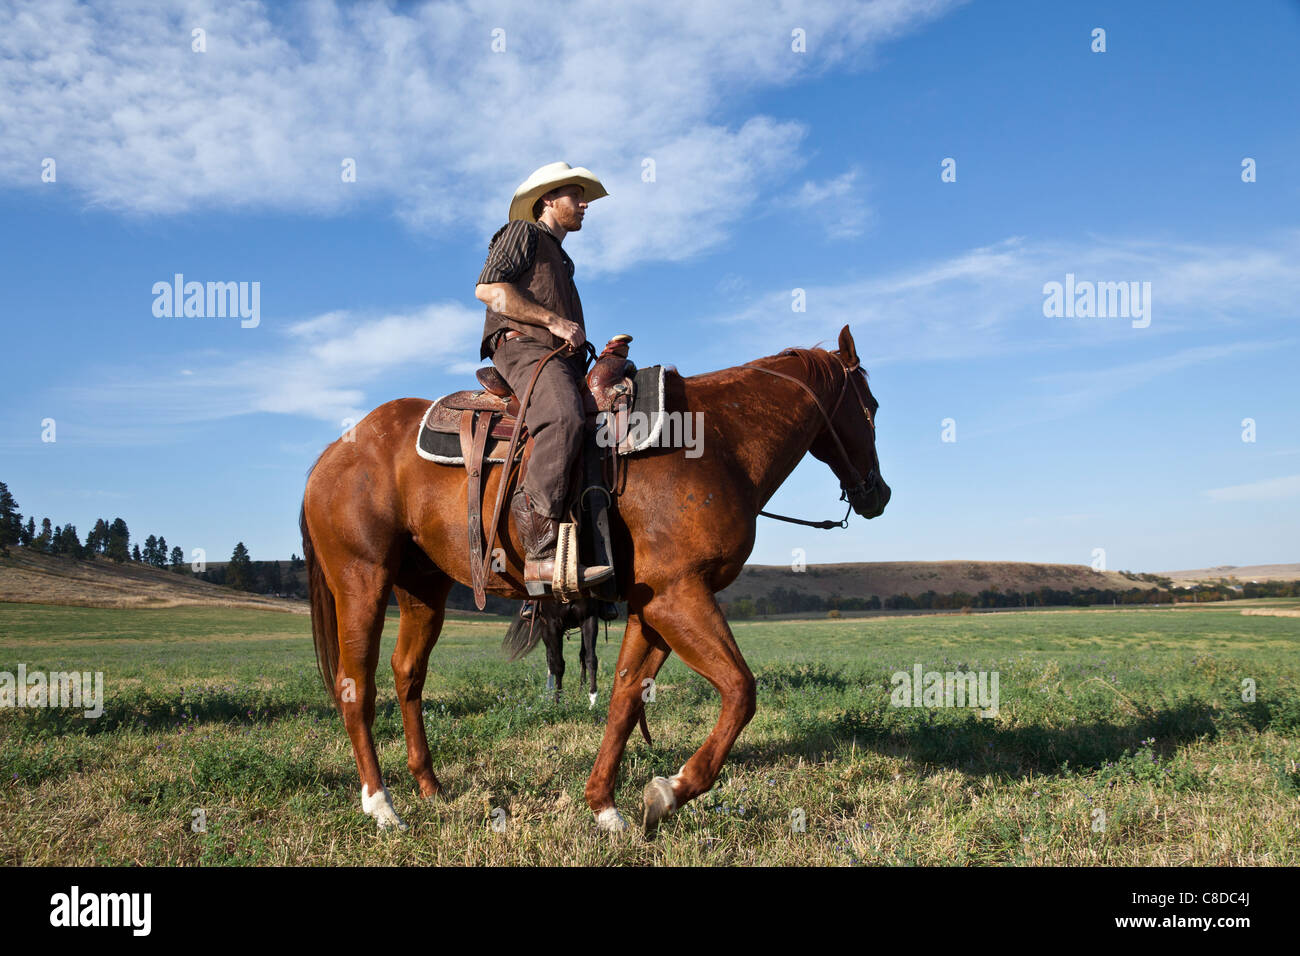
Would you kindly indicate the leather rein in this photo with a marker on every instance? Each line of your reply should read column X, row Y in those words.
column 848, row 492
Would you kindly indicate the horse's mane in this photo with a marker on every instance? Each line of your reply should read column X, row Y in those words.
column 820, row 368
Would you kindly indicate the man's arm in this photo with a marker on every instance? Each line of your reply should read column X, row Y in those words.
column 516, row 303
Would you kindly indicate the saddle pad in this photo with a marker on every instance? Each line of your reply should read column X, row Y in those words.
column 648, row 400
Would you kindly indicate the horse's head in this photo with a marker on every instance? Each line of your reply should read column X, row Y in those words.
column 854, row 421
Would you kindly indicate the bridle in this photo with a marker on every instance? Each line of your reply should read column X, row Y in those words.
column 856, row 492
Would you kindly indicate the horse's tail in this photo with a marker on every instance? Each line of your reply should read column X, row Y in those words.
column 324, row 620
column 523, row 635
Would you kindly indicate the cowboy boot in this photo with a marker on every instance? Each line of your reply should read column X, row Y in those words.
column 539, row 534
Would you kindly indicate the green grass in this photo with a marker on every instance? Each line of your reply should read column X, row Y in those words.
column 1135, row 713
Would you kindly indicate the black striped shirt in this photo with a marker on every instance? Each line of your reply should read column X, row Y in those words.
column 512, row 250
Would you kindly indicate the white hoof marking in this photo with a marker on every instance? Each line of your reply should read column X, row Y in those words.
column 592, row 699
column 611, row 820
column 380, row 806
column 664, row 787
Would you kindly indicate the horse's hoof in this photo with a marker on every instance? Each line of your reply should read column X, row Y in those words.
column 380, row 806
column 611, row 821
column 659, row 802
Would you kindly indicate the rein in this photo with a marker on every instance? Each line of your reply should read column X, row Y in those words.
column 847, row 492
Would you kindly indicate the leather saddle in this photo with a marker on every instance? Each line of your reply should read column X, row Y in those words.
column 492, row 412
column 609, row 389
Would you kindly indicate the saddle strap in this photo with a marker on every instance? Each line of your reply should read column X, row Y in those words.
column 473, row 445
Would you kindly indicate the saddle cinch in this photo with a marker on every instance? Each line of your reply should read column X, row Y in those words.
column 493, row 414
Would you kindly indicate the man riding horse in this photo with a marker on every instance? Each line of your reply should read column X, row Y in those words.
column 532, row 309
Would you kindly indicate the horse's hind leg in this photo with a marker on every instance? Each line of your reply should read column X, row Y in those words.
column 361, row 604
column 587, row 656
column 553, row 638
column 423, row 603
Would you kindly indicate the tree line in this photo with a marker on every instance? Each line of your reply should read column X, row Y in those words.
column 783, row 600
column 242, row 573
column 112, row 540
column 108, row 539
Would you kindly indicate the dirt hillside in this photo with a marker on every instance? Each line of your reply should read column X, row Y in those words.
column 886, row 578
column 1242, row 574
column 31, row 578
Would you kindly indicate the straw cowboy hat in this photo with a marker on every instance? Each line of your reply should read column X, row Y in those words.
column 553, row 176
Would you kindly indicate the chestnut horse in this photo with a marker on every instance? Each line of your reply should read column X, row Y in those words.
column 379, row 519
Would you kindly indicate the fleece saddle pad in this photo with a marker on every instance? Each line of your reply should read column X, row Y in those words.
column 644, row 423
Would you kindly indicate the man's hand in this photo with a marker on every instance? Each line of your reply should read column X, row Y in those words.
column 518, row 304
column 571, row 332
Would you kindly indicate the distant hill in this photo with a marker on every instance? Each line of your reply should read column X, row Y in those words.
column 33, row 578
column 1243, row 574
column 886, row 578
column 28, row 577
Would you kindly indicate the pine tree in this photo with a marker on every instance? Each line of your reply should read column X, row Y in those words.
column 160, row 556
column 178, row 559
column 71, row 543
column 150, row 549
column 239, row 573
column 45, row 540
column 29, row 533
column 135, row 554
column 94, row 537
column 117, row 544
column 11, row 522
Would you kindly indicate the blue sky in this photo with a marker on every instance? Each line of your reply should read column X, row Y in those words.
column 774, row 170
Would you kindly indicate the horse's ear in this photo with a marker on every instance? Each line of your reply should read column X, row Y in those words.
column 848, row 351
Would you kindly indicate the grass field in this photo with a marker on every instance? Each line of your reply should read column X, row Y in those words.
column 1137, row 713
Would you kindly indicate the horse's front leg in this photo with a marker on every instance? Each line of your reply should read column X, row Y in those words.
column 639, row 659
column 690, row 621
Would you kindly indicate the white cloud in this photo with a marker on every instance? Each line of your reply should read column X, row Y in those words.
column 989, row 301
column 1270, row 489
column 441, row 127
column 982, row 302
column 838, row 203
column 320, row 372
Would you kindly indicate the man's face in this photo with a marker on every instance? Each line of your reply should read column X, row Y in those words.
column 568, row 208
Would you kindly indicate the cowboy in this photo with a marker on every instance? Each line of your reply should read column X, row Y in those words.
column 532, row 309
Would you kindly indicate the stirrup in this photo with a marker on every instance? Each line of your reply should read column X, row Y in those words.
column 539, row 577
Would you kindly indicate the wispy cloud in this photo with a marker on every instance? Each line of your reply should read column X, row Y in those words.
column 1270, row 489
column 989, row 300
column 318, row 369
column 1071, row 391
column 441, row 125
column 983, row 302
column 838, row 203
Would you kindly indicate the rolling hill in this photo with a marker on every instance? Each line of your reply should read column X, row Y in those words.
column 28, row 577
column 33, row 578
column 1243, row 574
column 886, row 578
